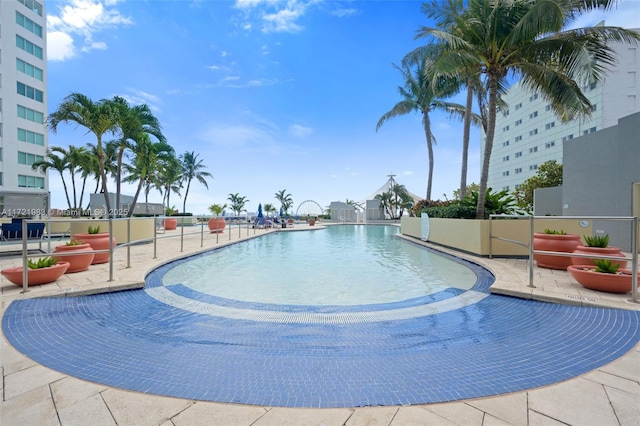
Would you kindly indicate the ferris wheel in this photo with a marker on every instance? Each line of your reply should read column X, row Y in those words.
column 309, row 208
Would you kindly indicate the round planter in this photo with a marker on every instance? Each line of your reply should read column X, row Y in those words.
column 554, row 242
column 610, row 283
column 216, row 225
column 170, row 224
column 604, row 251
column 312, row 222
column 77, row 262
column 36, row 276
column 97, row 242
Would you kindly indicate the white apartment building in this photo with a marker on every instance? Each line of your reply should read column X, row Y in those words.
column 23, row 105
column 529, row 134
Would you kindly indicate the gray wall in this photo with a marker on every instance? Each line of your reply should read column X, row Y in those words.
column 547, row 201
column 599, row 170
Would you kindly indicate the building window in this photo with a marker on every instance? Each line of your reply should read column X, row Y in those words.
column 30, row 182
column 518, row 122
column 594, row 107
column 549, row 144
column 30, row 137
column 567, row 138
column 27, row 23
column 33, row 6
column 533, row 98
column 30, row 92
column 505, row 173
column 505, row 128
column 593, row 85
column 519, row 106
column 505, row 188
column 30, row 70
column 533, row 132
column 0, row 178
column 518, row 154
column 591, row 130
column 519, row 170
column 533, row 149
column 518, row 138
column 29, row 47
column 533, row 114
column 505, row 158
column 550, row 125
column 0, row 153
column 547, row 108
column 505, row 143
column 31, row 115
column 28, row 159
column 533, row 167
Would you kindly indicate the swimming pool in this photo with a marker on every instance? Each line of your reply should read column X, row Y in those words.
column 446, row 345
column 339, row 265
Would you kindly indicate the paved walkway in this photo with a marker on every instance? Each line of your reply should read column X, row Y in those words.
column 34, row 394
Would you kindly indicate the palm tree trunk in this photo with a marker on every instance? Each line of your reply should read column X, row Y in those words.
column 135, row 198
column 84, row 182
column 427, row 134
column 103, row 177
column 66, row 192
column 465, row 140
column 118, row 176
column 186, row 194
column 488, row 145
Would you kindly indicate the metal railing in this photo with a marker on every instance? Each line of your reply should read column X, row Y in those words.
column 635, row 222
column 200, row 225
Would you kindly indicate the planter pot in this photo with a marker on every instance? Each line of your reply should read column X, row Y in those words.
column 77, row 262
column 610, row 283
column 97, row 242
column 216, row 225
column 554, row 242
column 36, row 276
column 312, row 222
column 170, row 224
column 604, row 251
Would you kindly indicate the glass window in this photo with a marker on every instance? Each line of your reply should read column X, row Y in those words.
column 30, row 70
column 28, row 159
column 29, row 47
column 30, row 92
column 27, row 23
column 31, row 115
column 30, row 182
column 32, row 5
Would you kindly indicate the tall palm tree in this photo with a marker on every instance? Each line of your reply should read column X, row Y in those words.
column 420, row 95
column 133, row 121
column 285, row 200
column 269, row 208
column 527, row 39
column 169, row 177
column 98, row 118
column 237, row 203
column 54, row 162
column 192, row 168
column 386, row 200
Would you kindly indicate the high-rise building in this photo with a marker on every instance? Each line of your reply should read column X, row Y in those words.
column 23, row 106
column 528, row 133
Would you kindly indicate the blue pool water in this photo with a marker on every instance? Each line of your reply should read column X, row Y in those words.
column 449, row 344
column 339, row 265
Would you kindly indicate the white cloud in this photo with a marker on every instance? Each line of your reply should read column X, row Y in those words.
column 299, row 131
column 60, row 46
column 341, row 13
column 140, row 97
column 407, row 173
column 77, row 22
column 274, row 15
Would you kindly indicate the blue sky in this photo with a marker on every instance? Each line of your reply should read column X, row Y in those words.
column 271, row 94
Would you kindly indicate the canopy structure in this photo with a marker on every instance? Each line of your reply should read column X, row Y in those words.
column 386, row 187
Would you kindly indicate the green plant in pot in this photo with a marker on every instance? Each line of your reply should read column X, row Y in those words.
column 41, row 271
column 597, row 245
column 93, row 230
column 217, row 224
column 604, row 275
column 554, row 240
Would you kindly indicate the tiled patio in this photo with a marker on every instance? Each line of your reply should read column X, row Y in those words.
column 34, row 394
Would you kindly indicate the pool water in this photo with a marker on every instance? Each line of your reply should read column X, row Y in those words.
column 338, row 265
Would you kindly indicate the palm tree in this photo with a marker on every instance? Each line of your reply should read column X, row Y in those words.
column 237, row 203
column 385, row 200
column 526, row 39
column 54, row 162
column 133, row 123
column 269, row 208
column 168, row 181
column 192, row 168
column 285, row 200
column 98, row 118
column 420, row 95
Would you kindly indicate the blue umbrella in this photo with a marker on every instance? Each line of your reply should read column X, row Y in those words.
column 281, row 212
column 260, row 210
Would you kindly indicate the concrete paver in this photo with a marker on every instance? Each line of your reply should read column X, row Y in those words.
column 33, row 394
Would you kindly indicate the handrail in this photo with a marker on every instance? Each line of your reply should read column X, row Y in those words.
column 634, row 241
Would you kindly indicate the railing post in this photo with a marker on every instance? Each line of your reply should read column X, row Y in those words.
column 25, row 261
column 490, row 236
column 531, row 253
column 634, row 260
column 155, row 237
column 129, row 242
column 110, row 248
column 181, row 234
column 202, row 231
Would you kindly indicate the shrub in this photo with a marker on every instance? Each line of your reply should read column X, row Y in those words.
column 597, row 241
column 606, row 266
column 43, row 262
column 554, row 232
column 93, row 230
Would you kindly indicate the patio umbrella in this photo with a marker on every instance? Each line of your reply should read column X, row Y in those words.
column 281, row 212
column 260, row 215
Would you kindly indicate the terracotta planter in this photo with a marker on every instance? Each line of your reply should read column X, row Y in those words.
column 554, row 242
column 97, row 242
column 77, row 262
column 170, row 224
column 216, row 225
column 312, row 222
column 36, row 276
column 610, row 283
column 604, row 251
